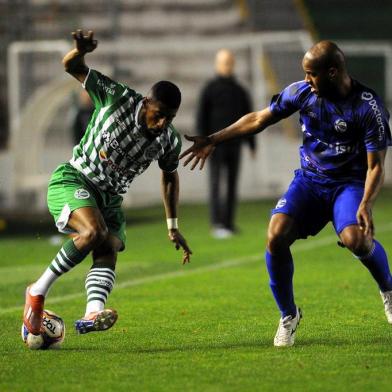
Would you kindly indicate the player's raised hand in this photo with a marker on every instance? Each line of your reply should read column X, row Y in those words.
column 84, row 43
column 200, row 150
column 176, row 237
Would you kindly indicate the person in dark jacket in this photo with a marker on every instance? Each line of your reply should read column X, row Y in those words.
column 223, row 101
column 83, row 115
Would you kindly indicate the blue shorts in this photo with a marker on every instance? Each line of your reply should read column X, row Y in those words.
column 313, row 203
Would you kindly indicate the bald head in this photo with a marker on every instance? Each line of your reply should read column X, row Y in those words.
column 326, row 54
column 325, row 70
column 224, row 63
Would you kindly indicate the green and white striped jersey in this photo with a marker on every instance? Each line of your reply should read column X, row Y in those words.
column 114, row 150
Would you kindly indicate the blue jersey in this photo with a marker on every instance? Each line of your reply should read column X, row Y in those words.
column 336, row 135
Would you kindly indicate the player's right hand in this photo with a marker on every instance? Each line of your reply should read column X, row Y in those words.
column 365, row 219
column 200, row 150
column 84, row 43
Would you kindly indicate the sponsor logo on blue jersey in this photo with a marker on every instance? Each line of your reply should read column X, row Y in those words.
column 367, row 96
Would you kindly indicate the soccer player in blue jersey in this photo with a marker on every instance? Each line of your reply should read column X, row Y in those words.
column 345, row 139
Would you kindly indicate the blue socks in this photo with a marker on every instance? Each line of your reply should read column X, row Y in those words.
column 376, row 261
column 281, row 271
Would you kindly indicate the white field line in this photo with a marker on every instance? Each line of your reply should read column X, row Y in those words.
column 299, row 247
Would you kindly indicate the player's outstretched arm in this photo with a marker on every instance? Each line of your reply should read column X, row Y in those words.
column 73, row 61
column 374, row 180
column 247, row 125
column 170, row 191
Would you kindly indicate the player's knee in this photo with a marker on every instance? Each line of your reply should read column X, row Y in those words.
column 277, row 241
column 93, row 236
column 357, row 243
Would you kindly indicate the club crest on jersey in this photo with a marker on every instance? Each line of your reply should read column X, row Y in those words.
column 340, row 125
column 81, row 194
column 281, row 203
column 151, row 152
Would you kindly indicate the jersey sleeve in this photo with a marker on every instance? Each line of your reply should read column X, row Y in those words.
column 169, row 161
column 102, row 90
column 376, row 125
column 288, row 101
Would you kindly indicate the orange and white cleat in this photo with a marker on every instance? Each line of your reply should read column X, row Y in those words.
column 96, row 321
column 32, row 315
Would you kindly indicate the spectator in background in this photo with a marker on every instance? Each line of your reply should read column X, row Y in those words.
column 223, row 101
column 85, row 109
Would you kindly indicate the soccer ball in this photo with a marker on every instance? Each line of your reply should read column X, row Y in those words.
column 52, row 335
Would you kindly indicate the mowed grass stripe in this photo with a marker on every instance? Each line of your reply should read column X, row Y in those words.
column 298, row 247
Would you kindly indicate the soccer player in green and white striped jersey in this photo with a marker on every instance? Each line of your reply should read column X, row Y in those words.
column 126, row 133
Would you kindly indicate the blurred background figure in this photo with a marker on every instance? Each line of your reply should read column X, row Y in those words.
column 84, row 110
column 222, row 101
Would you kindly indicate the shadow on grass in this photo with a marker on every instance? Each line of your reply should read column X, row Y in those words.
column 171, row 349
column 352, row 341
column 365, row 343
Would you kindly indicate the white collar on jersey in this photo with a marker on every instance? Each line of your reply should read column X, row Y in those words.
column 137, row 111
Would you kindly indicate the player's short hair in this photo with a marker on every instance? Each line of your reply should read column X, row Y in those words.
column 167, row 93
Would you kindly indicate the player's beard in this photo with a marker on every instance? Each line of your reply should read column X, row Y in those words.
column 149, row 132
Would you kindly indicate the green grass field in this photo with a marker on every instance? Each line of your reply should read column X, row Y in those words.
column 207, row 326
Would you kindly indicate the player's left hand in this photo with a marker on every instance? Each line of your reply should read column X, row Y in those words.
column 365, row 219
column 176, row 237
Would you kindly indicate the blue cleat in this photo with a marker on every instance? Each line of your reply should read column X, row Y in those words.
column 96, row 321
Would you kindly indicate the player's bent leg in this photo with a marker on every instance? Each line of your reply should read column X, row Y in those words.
column 354, row 239
column 373, row 256
column 66, row 259
column 90, row 227
column 99, row 284
column 91, row 230
column 282, row 232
